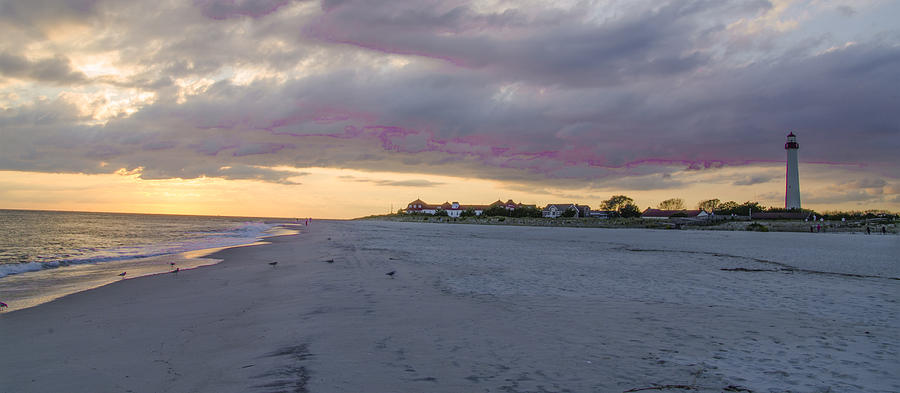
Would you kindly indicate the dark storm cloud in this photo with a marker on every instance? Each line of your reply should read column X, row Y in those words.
column 42, row 13
column 552, row 47
column 224, row 9
column 529, row 93
column 54, row 70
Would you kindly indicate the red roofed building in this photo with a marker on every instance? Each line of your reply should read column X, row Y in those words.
column 419, row 206
column 455, row 209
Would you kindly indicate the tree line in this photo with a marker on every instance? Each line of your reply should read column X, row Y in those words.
column 623, row 206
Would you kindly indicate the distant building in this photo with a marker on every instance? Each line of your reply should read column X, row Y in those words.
column 455, row 209
column 657, row 214
column 419, row 206
column 600, row 214
column 583, row 210
column 557, row 209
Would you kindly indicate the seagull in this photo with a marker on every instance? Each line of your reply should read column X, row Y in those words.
column 330, row 261
column 273, row 263
column 122, row 274
column 391, row 273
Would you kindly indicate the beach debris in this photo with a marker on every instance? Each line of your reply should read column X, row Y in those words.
column 273, row 263
column 177, row 269
column 3, row 305
column 122, row 274
column 172, row 264
column 330, row 260
column 391, row 273
column 662, row 387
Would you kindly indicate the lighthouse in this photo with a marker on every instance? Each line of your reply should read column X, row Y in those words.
column 792, row 179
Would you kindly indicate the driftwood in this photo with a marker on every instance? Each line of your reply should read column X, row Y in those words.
column 729, row 388
column 661, row 387
column 743, row 269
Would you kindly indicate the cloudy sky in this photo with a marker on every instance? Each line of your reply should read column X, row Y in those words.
column 342, row 108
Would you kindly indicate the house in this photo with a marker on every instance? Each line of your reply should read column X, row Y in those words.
column 419, row 206
column 509, row 205
column 600, row 213
column 454, row 209
column 557, row 209
column 583, row 210
column 657, row 214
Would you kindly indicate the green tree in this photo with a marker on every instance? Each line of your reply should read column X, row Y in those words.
column 672, row 204
column 616, row 202
column 709, row 205
column 495, row 211
column 470, row 212
column 441, row 213
column 630, row 210
column 727, row 207
column 742, row 209
column 526, row 211
column 570, row 212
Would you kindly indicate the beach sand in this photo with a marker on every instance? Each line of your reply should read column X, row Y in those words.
column 482, row 309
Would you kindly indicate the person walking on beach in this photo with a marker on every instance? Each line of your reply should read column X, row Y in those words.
column 883, row 230
column 818, row 228
column 868, row 231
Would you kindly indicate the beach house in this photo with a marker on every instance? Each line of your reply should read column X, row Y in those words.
column 554, row 210
column 453, row 209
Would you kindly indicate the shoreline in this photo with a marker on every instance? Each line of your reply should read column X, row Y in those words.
column 21, row 293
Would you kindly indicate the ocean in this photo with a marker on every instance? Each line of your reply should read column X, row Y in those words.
column 48, row 254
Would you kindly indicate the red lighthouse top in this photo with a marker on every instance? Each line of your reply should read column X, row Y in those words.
column 791, row 142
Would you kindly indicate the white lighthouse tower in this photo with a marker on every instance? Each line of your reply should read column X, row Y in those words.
column 792, row 179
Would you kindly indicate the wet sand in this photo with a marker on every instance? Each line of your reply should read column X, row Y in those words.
column 487, row 309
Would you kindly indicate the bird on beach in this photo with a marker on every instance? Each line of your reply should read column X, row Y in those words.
column 273, row 263
column 391, row 273
column 122, row 274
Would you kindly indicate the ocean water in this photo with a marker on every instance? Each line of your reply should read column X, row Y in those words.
column 48, row 254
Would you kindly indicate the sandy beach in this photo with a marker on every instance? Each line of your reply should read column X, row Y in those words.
column 482, row 309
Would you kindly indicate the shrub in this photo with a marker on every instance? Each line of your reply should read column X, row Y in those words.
column 757, row 227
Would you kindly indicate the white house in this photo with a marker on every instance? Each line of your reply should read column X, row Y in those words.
column 557, row 209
